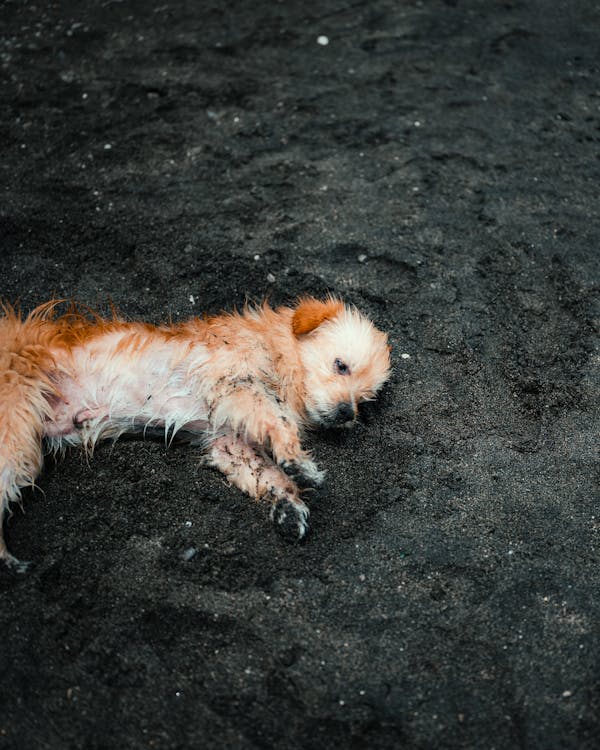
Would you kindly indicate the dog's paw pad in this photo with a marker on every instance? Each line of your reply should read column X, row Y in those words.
column 304, row 473
column 290, row 519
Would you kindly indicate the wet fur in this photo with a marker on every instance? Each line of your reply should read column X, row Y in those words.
column 242, row 386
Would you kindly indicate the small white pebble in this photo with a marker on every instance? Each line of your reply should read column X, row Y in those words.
column 362, row 258
column 323, row 40
column 567, row 694
column 107, row 146
column 417, row 124
column 257, row 257
column 342, row 703
column 405, row 355
column 270, row 278
column 192, row 300
column 188, row 524
column 236, row 119
column 84, row 96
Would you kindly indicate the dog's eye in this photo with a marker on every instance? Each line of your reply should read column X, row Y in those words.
column 341, row 367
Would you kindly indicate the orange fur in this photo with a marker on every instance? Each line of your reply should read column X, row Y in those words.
column 310, row 313
column 242, row 385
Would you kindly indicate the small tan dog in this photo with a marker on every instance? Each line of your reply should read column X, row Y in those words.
column 241, row 386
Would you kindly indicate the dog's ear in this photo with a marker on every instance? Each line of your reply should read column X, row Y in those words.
column 311, row 312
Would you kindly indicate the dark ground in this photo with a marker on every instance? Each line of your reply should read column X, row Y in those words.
column 448, row 595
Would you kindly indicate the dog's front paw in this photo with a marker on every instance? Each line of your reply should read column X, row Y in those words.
column 304, row 472
column 290, row 519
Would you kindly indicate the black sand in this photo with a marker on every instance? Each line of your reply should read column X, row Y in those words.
column 437, row 164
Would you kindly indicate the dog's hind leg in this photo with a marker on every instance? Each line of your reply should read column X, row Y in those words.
column 256, row 475
column 23, row 407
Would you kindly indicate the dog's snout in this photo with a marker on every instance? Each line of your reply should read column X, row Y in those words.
column 344, row 413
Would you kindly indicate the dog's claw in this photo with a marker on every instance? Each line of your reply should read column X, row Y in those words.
column 290, row 519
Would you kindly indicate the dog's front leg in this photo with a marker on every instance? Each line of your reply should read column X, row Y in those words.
column 263, row 420
column 255, row 474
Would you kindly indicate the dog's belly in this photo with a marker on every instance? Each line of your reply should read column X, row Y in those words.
column 64, row 407
column 89, row 409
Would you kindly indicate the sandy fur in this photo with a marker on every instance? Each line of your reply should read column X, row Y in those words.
column 244, row 386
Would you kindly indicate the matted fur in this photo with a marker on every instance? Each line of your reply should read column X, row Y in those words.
column 242, row 386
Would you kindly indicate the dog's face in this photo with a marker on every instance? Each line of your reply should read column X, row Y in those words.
column 346, row 360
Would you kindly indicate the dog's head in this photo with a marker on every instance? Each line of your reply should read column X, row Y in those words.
column 346, row 359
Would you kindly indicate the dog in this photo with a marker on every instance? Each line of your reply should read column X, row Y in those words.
column 241, row 386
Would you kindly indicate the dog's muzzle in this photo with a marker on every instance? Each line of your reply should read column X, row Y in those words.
column 343, row 415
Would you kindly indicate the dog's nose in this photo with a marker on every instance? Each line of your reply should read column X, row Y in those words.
column 344, row 413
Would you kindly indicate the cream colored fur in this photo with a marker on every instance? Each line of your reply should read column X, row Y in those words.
column 243, row 386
